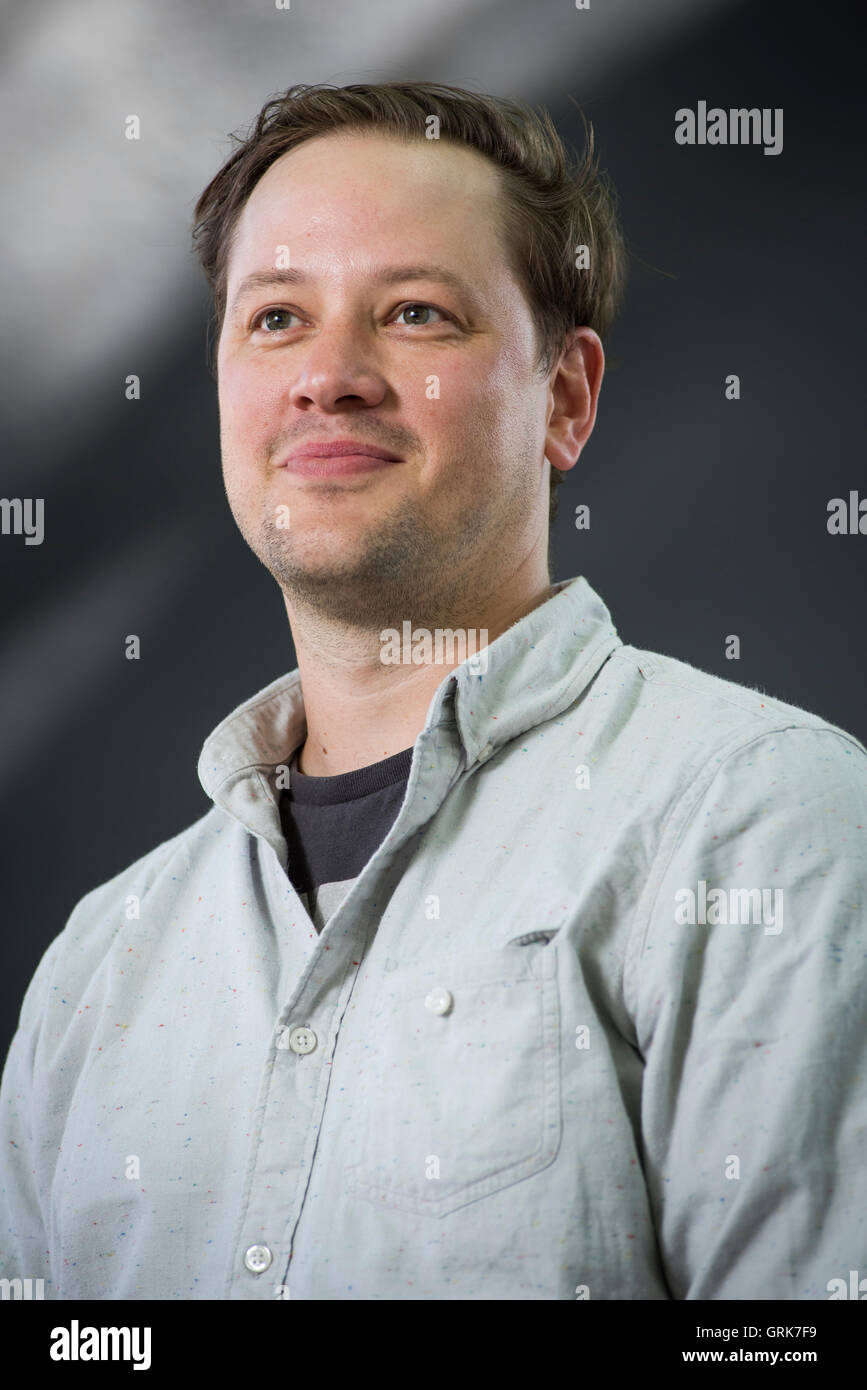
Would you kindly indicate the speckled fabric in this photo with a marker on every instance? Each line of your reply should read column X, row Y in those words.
column 590, row 1022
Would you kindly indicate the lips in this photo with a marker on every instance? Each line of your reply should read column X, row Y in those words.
column 328, row 458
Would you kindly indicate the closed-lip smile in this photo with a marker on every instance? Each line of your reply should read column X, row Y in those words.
column 327, row 458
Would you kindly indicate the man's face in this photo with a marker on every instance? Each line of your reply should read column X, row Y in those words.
column 369, row 342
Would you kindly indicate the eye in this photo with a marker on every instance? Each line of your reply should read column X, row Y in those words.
column 420, row 312
column 264, row 314
column 416, row 308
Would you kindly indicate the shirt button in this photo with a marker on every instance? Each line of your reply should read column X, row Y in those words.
column 485, row 753
column 302, row 1040
column 258, row 1258
column 439, row 1001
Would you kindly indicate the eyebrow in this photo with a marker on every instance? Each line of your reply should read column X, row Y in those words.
column 390, row 275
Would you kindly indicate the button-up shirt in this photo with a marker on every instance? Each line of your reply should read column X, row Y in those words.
column 590, row 1023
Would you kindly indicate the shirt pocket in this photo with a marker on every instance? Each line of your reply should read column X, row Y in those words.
column 458, row 1091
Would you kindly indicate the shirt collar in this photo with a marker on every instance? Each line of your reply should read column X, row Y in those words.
column 535, row 670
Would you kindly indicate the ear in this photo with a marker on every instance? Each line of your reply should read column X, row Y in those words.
column 572, row 396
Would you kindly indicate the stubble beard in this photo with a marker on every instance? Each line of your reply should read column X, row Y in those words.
column 402, row 569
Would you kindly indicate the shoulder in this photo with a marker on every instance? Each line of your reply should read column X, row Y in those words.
column 709, row 719
column 76, row 952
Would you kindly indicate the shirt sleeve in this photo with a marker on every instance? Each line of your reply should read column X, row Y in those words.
column 753, row 1023
column 26, row 1161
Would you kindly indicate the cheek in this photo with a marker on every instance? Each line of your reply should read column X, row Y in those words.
column 249, row 410
column 229, row 400
column 472, row 397
column 489, row 411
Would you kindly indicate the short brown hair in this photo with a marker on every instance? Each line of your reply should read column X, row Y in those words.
column 551, row 205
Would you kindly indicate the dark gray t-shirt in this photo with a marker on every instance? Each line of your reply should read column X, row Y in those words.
column 333, row 825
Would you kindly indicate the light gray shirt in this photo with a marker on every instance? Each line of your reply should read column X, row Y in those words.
column 592, row 1021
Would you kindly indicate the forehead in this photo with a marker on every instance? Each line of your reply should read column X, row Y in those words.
column 339, row 198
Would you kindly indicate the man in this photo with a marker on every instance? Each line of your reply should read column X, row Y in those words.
column 526, row 965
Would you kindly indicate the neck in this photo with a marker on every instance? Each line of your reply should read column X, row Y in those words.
column 361, row 709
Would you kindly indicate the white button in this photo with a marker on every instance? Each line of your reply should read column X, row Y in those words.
column 302, row 1040
column 258, row 1258
column 439, row 1001
column 485, row 753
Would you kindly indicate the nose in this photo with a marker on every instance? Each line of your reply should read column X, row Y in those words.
column 336, row 371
